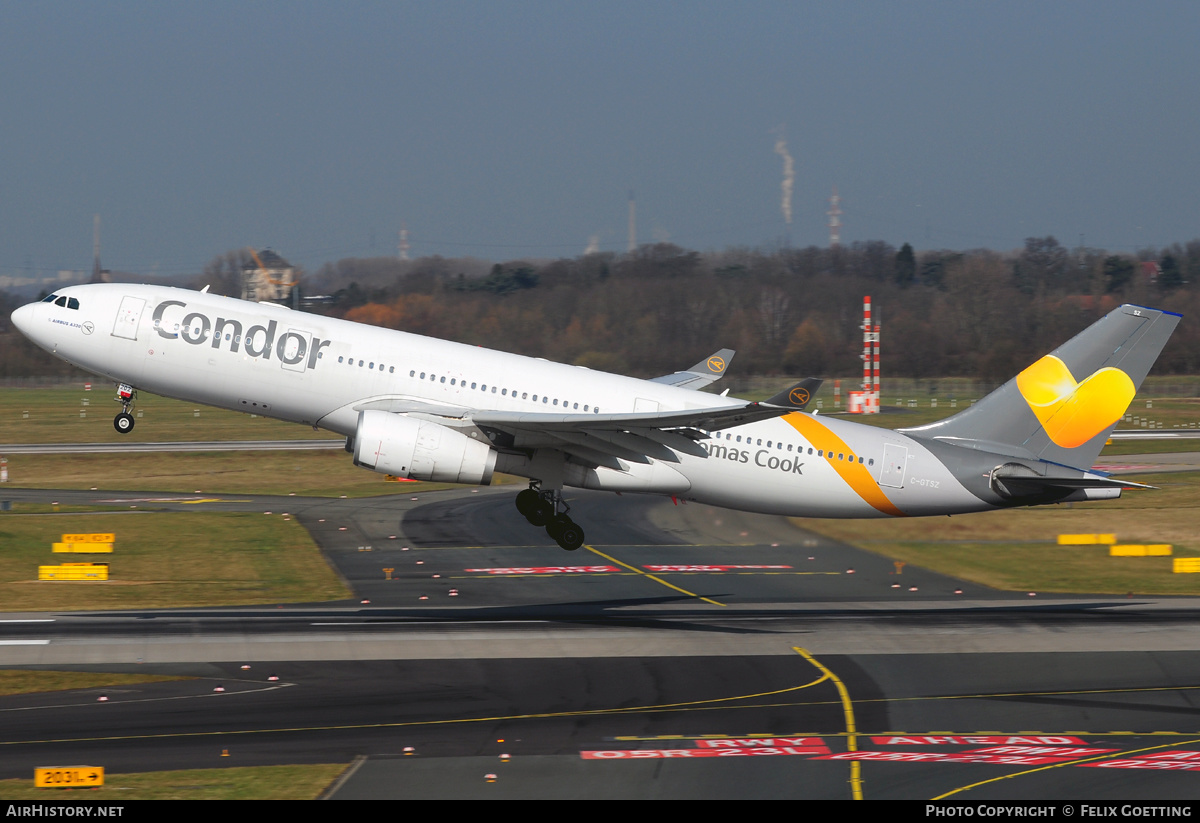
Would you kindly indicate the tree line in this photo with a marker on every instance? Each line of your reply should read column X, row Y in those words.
column 977, row 313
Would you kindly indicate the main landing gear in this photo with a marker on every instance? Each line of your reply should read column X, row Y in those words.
column 541, row 508
column 123, row 422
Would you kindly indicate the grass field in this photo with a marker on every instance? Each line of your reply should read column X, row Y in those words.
column 1015, row 549
column 53, row 416
column 305, row 782
column 167, row 559
column 303, row 473
column 22, row 681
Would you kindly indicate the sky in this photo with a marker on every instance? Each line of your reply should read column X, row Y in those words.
column 505, row 129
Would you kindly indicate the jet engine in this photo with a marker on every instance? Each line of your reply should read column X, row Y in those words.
column 420, row 450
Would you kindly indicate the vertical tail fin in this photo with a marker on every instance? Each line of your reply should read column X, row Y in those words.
column 1063, row 407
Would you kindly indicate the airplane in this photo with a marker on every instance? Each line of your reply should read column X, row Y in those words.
column 427, row 409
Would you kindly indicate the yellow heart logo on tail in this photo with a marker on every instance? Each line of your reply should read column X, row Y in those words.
column 1073, row 413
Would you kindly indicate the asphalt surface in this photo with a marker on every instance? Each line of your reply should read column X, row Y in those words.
column 622, row 669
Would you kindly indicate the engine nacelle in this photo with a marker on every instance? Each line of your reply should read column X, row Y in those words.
column 420, row 450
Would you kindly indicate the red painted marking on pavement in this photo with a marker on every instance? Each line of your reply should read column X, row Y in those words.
column 979, row 740
column 939, row 757
column 1146, row 763
column 1054, row 751
column 548, row 570
column 652, row 754
column 767, row 742
column 704, row 567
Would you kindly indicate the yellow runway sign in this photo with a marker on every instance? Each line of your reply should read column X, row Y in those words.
column 66, row 777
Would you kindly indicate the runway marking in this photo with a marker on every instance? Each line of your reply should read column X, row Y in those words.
column 851, row 727
column 1078, row 762
column 652, row 577
column 689, row 705
column 269, row 688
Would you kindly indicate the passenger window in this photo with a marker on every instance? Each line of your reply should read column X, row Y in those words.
column 820, row 453
column 871, row 462
column 525, row 395
column 472, row 385
column 391, row 369
column 443, row 379
column 451, row 381
column 340, row 359
column 370, row 366
column 504, row 392
column 422, row 375
column 576, row 406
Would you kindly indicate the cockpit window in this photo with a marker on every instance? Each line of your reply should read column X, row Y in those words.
column 51, row 298
column 72, row 303
column 62, row 301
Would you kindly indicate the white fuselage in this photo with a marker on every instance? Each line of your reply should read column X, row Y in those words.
column 318, row 371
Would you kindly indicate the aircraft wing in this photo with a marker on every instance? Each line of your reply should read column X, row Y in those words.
column 606, row 439
column 701, row 374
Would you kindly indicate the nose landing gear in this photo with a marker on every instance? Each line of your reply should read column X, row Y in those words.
column 124, row 421
column 541, row 508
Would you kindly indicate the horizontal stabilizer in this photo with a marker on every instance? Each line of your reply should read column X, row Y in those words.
column 701, row 374
column 1017, row 480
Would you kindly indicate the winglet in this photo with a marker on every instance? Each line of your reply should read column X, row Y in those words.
column 797, row 396
column 715, row 365
column 706, row 371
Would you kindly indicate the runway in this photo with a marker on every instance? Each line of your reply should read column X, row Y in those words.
column 656, row 663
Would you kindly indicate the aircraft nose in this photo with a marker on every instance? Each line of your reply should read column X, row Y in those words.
column 23, row 318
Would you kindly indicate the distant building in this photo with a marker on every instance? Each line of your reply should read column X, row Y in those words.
column 268, row 278
column 1151, row 271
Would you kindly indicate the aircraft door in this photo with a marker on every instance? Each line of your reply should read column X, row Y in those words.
column 891, row 473
column 293, row 349
column 128, row 317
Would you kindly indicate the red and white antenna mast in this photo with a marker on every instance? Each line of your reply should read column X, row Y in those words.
column 835, row 220
column 870, row 358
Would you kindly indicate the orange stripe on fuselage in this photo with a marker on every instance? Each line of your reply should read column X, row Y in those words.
column 855, row 474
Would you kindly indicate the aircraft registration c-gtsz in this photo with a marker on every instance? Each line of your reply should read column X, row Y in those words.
column 428, row 409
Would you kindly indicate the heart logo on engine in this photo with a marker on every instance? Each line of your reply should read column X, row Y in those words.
column 1073, row 413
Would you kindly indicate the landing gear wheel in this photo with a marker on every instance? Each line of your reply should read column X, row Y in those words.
column 541, row 512
column 555, row 527
column 526, row 500
column 569, row 536
column 123, row 422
